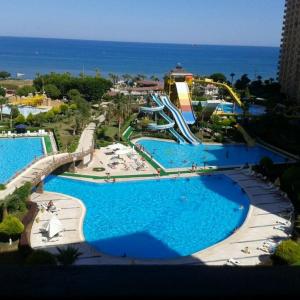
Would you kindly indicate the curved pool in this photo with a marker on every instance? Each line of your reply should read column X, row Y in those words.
column 157, row 219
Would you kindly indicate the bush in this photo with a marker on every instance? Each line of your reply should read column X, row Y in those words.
column 287, row 253
column 15, row 204
column 26, row 90
column 67, row 256
column 2, row 187
column 11, row 227
column 40, row 257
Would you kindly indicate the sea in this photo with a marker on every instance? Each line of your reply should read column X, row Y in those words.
column 29, row 56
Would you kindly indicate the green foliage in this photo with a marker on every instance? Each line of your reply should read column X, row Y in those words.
column 25, row 90
column 52, row 91
column 4, row 75
column 91, row 88
column 266, row 163
column 243, row 82
column 2, row 187
column 218, row 77
column 16, row 202
column 11, row 227
column 2, row 92
column 20, row 119
column 14, row 111
column 67, row 256
column 40, row 257
column 287, row 253
column 30, row 119
column 290, row 183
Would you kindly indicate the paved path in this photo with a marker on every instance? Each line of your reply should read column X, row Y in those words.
column 43, row 167
column 264, row 215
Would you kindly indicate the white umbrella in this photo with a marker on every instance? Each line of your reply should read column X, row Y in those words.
column 53, row 227
column 123, row 151
column 116, row 146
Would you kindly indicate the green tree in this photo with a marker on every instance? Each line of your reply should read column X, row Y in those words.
column 3, row 101
column 26, row 90
column 2, row 92
column 243, row 82
column 30, row 119
column 218, row 77
column 113, row 77
column 72, row 94
column 52, row 91
column 4, row 75
column 20, row 119
column 14, row 111
column 11, row 227
column 67, row 256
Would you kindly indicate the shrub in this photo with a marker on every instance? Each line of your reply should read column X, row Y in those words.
column 11, row 227
column 266, row 164
column 2, row 187
column 40, row 257
column 67, row 256
column 288, row 252
column 15, row 204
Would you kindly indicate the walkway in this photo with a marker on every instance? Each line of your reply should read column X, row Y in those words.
column 36, row 172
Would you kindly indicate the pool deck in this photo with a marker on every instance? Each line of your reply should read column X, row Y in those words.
column 264, row 214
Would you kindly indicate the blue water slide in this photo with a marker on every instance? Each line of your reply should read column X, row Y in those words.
column 182, row 125
column 170, row 123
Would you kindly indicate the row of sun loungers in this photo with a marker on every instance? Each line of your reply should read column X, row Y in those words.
column 41, row 132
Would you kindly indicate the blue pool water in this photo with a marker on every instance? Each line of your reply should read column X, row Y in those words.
column 173, row 155
column 16, row 153
column 254, row 109
column 157, row 218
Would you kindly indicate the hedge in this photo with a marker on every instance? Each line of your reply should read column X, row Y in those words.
column 11, row 227
column 287, row 253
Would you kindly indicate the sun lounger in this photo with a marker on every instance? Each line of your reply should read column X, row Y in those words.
column 233, row 261
column 280, row 227
column 284, row 223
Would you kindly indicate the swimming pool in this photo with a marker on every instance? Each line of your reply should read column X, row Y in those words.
column 254, row 109
column 157, row 219
column 25, row 110
column 16, row 153
column 173, row 155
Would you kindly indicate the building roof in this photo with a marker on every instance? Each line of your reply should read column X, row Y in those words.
column 180, row 71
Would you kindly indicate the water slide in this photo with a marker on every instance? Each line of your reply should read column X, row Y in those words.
column 249, row 140
column 232, row 93
column 170, row 123
column 185, row 102
column 182, row 125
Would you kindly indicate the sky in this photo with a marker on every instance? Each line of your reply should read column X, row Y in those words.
column 217, row 22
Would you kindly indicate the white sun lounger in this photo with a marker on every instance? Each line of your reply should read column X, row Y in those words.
column 232, row 261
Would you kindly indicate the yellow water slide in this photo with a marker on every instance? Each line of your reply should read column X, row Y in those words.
column 249, row 140
column 232, row 93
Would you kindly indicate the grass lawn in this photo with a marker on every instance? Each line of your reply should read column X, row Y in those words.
column 48, row 144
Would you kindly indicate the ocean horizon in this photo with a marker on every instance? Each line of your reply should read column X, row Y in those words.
column 31, row 55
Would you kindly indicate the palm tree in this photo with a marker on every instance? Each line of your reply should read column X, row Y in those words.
column 114, row 78
column 3, row 101
column 232, row 76
column 67, row 256
column 126, row 77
